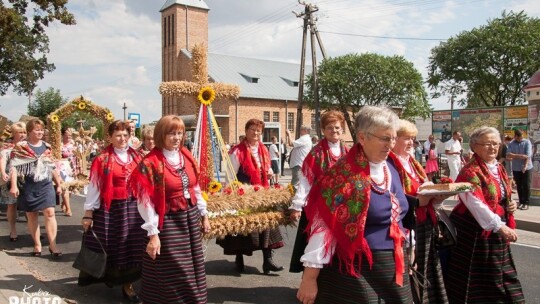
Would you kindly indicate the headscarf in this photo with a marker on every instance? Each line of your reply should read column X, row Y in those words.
column 249, row 164
column 147, row 182
column 101, row 173
column 487, row 189
column 319, row 159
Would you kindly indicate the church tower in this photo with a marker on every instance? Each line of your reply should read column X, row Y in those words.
column 184, row 23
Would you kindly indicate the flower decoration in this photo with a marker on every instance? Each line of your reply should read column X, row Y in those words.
column 205, row 195
column 206, row 95
column 110, row 116
column 277, row 186
column 227, row 190
column 256, row 188
column 55, row 118
column 445, row 180
column 82, row 105
column 237, row 184
column 241, row 191
column 214, row 186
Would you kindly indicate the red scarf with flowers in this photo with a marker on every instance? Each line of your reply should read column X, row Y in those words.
column 340, row 199
column 249, row 164
column 487, row 189
column 147, row 182
column 319, row 159
column 101, row 173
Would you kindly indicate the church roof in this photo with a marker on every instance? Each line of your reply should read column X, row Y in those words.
column 257, row 78
column 192, row 3
column 534, row 82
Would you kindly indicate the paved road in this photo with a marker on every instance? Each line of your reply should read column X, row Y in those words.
column 17, row 269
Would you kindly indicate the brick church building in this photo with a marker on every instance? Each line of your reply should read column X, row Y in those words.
column 268, row 89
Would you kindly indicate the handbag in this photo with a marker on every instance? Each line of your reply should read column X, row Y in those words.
column 91, row 262
column 445, row 231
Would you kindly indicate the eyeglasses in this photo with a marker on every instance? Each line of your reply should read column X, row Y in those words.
column 255, row 131
column 489, row 145
column 385, row 139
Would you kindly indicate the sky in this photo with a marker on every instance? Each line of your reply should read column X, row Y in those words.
column 112, row 56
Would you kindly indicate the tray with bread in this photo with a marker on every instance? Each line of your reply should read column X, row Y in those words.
column 448, row 188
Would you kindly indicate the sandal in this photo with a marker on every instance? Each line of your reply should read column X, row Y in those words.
column 55, row 254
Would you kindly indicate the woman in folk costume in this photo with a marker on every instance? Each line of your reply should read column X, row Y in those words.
column 323, row 156
column 355, row 252
column 412, row 175
column 172, row 206
column 251, row 161
column 18, row 134
column 481, row 266
column 32, row 161
column 147, row 141
column 111, row 212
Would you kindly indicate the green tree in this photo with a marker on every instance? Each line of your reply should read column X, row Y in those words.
column 87, row 119
column 487, row 66
column 348, row 82
column 46, row 102
column 24, row 43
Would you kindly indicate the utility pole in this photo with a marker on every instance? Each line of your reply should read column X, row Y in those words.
column 124, row 108
column 309, row 21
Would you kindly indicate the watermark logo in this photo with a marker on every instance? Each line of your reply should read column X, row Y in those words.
column 37, row 297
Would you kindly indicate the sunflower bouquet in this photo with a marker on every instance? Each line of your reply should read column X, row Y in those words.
column 243, row 209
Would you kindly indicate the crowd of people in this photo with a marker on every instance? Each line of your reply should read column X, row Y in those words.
column 355, row 242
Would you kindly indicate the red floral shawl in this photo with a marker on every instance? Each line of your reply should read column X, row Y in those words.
column 340, row 199
column 319, row 159
column 486, row 189
column 27, row 162
column 249, row 164
column 101, row 173
column 147, row 182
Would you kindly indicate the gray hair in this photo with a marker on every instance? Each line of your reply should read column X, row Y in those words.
column 305, row 128
column 147, row 132
column 483, row 130
column 371, row 118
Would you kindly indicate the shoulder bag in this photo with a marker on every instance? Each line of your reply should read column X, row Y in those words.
column 89, row 261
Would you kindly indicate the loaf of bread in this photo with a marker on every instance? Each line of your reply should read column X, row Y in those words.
column 445, row 187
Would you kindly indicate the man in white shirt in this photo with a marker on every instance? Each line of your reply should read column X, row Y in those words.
column 274, row 160
column 452, row 149
column 301, row 148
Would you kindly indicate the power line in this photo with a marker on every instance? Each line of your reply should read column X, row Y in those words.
column 383, row 37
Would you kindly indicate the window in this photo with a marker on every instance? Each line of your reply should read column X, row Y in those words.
column 266, row 116
column 290, row 121
column 313, row 122
column 275, row 116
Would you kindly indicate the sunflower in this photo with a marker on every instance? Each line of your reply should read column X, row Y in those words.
column 55, row 118
column 291, row 188
column 205, row 195
column 214, row 187
column 110, row 116
column 237, row 184
column 82, row 105
column 206, row 95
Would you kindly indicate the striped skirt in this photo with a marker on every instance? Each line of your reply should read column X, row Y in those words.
column 177, row 275
column 481, row 270
column 120, row 233
column 375, row 285
column 429, row 265
column 246, row 244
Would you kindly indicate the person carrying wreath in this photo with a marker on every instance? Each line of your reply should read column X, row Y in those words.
column 251, row 162
column 481, row 266
column 175, row 216
column 111, row 212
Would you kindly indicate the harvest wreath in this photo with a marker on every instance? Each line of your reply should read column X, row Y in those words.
column 243, row 209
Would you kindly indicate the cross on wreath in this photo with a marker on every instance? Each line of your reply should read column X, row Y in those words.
column 205, row 93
